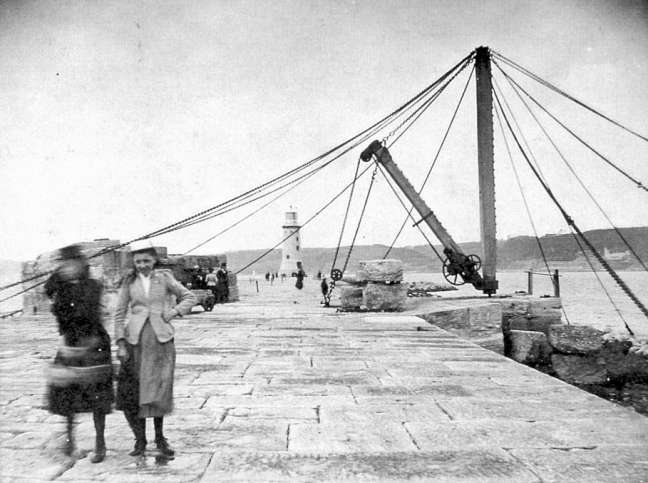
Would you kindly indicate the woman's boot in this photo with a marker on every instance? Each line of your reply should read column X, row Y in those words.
column 100, row 442
column 161, row 442
column 68, row 449
column 138, row 426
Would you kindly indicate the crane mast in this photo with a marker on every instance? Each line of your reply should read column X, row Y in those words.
column 459, row 268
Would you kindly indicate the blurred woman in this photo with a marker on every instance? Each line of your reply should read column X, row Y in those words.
column 80, row 379
column 146, row 346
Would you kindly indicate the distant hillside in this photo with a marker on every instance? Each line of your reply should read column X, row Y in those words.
column 512, row 253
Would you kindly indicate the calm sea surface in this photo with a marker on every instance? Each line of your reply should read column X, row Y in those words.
column 584, row 300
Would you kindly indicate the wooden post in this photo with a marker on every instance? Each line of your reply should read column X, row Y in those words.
column 486, row 169
column 530, row 282
column 556, row 283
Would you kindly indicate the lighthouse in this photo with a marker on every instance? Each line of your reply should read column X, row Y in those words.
column 291, row 248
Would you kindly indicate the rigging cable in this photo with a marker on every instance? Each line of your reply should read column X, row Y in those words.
column 598, row 278
column 364, row 207
column 417, row 225
column 180, row 224
column 549, row 85
column 303, row 224
column 571, row 222
column 571, row 169
column 416, row 114
column 526, row 203
column 581, row 140
column 434, row 161
column 346, row 215
column 396, row 112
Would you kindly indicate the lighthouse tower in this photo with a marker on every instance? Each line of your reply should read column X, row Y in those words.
column 291, row 248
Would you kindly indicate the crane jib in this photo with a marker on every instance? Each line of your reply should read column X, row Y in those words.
column 458, row 268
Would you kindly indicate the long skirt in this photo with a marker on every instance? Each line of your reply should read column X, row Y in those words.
column 145, row 380
column 80, row 380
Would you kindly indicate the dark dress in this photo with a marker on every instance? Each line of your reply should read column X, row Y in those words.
column 222, row 286
column 83, row 365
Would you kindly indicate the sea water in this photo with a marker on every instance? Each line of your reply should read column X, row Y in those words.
column 584, row 298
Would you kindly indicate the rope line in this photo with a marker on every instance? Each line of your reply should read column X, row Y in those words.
column 571, row 222
column 346, row 215
column 434, row 161
column 526, row 203
column 186, row 221
column 364, row 207
column 303, row 224
column 570, row 131
column 389, row 183
column 573, row 171
column 549, row 85
column 602, row 285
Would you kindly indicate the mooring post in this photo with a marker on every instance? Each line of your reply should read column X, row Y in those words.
column 556, row 283
column 486, row 168
column 530, row 282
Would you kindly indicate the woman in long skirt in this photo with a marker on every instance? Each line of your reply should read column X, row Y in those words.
column 146, row 345
column 80, row 380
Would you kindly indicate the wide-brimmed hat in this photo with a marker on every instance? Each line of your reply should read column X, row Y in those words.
column 70, row 252
column 143, row 246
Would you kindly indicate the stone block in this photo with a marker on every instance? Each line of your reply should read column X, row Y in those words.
column 579, row 369
column 484, row 319
column 386, row 271
column 535, row 323
column 629, row 364
column 574, row 339
column 377, row 296
column 529, row 347
column 351, row 297
column 531, row 306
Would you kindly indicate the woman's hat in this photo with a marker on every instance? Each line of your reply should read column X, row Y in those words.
column 70, row 252
column 141, row 246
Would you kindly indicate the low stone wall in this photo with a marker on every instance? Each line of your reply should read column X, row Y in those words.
column 533, row 333
column 581, row 355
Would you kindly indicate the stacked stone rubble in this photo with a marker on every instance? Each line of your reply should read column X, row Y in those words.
column 534, row 335
column 376, row 287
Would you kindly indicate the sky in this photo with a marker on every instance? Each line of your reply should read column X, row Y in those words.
column 122, row 117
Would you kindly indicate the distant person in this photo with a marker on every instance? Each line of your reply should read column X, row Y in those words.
column 299, row 284
column 222, row 285
column 272, row 278
column 283, row 277
column 324, row 287
column 81, row 376
column 146, row 345
column 211, row 280
column 267, row 276
column 196, row 278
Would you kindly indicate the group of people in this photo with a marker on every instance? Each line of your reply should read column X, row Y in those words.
column 81, row 376
column 215, row 281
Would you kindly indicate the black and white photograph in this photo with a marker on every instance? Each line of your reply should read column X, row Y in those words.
column 324, row 241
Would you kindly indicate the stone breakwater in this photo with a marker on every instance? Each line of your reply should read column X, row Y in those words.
column 277, row 388
column 531, row 331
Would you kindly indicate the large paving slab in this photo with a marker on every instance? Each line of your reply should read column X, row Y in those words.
column 285, row 390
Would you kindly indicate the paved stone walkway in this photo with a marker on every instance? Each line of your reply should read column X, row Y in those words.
column 287, row 391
